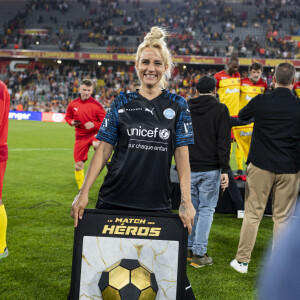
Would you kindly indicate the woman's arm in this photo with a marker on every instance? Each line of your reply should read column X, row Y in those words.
column 186, row 208
column 99, row 160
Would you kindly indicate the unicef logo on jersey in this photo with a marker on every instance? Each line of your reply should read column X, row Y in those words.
column 164, row 134
column 169, row 113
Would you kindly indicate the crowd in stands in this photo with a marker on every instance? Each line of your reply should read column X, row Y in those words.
column 196, row 26
column 51, row 88
column 55, row 36
column 190, row 21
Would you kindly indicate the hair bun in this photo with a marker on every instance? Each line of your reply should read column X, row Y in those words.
column 156, row 33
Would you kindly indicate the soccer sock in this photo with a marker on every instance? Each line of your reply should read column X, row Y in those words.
column 79, row 176
column 3, row 226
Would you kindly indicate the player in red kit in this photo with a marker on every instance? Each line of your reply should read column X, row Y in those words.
column 86, row 114
column 4, row 111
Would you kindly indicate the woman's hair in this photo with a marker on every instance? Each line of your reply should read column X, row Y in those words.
column 156, row 39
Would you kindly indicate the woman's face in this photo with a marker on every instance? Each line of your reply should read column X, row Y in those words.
column 150, row 68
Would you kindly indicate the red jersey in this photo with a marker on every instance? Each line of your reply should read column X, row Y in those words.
column 4, row 111
column 250, row 90
column 297, row 88
column 229, row 90
column 85, row 111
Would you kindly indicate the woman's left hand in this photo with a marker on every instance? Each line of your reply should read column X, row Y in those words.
column 187, row 214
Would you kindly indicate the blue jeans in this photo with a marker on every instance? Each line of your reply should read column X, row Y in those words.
column 205, row 187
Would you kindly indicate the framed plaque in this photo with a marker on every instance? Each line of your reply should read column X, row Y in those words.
column 123, row 252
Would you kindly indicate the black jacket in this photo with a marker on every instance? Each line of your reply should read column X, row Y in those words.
column 237, row 122
column 276, row 132
column 211, row 125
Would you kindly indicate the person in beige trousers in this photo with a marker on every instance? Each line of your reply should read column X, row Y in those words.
column 273, row 161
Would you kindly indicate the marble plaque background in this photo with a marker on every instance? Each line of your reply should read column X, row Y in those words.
column 99, row 253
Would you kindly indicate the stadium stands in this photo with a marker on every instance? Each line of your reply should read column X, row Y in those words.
column 262, row 29
column 214, row 27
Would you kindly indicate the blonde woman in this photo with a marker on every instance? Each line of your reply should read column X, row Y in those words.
column 145, row 129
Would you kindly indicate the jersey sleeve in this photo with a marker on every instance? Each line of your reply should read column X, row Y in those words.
column 100, row 116
column 109, row 130
column 4, row 112
column 218, row 80
column 184, row 128
column 4, row 101
column 69, row 114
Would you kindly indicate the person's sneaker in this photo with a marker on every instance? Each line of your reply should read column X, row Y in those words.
column 240, row 214
column 4, row 254
column 239, row 266
column 189, row 255
column 201, row 261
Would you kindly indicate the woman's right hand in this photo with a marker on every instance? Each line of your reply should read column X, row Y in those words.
column 78, row 206
column 100, row 158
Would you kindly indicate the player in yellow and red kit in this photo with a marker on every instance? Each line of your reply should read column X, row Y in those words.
column 86, row 114
column 4, row 111
column 297, row 88
column 250, row 87
column 228, row 85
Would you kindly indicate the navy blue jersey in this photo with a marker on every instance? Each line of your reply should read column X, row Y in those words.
column 145, row 135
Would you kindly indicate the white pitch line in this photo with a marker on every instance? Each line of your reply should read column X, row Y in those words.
column 39, row 149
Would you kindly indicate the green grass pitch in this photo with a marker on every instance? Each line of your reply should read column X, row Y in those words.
column 39, row 187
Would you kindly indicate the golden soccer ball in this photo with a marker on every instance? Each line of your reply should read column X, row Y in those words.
column 128, row 279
